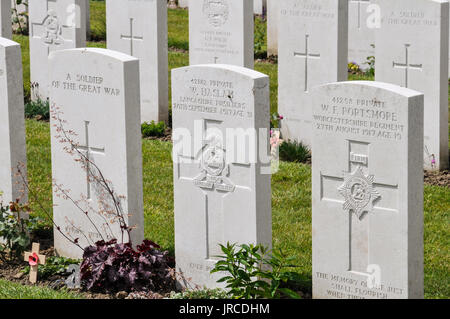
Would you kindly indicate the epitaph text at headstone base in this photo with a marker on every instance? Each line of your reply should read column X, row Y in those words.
column 95, row 105
column 221, row 186
column 367, row 203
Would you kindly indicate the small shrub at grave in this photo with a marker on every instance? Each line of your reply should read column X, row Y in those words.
column 14, row 230
column 256, row 272
column 113, row 267
column 53, row 266
column 38, row 110
column 294, row 151
column 153, row 129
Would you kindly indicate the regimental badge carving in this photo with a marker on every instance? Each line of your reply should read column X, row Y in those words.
column 53, row 29
column 358, row 192
column 215, row 171
column 216, row 11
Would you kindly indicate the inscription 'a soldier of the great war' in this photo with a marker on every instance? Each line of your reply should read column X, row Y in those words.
column 217, row 11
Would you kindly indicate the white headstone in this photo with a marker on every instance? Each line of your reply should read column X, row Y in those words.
column 273, row 12
column 54, row 25
column 411, row 51
column 361, row 31
column 367, row 213
column 312, row 50
column 221, row 32
column 97, row 94
column 5, row 19
column 12, row 130
column 139, row 28
column 222, row 193
column 259, row 6
column 183, row 3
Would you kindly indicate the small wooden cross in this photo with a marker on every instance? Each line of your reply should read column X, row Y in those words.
column 34, row 260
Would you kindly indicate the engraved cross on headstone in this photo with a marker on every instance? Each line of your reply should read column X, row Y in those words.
column 51, row 29
column 213, row 179
column 360, row 198
column 360, row 2
column 407, row 66
column 131, row 37
column 307, row 55
column 88, row 151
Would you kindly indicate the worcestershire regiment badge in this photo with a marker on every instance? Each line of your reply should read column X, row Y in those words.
column 358, row 192
column 214, row 168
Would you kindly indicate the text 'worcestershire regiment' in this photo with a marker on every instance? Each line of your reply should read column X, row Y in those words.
column 368, row 118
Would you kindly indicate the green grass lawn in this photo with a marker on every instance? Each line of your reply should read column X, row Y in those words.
column 291, row 186
column 10, row 290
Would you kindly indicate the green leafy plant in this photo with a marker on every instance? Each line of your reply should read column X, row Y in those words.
column 260, row 39
column 53, row 266
column 353, row 68
column 275, row 120
column 255, row 272
column 153, row 129
column 294, row 151
column 39, row 110
column 371, row 63
column 14, row 230
column 201, row 294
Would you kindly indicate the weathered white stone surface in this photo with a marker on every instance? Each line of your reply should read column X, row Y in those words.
column 361, row 31
column 183, row 3
column 221, row 32
column 222, row 193
column 5, row 19
column 139, row 28
column 97, row 94
column 13, row 154
column 259, row 6
column 411, row 51
column 54, row 25
column 367, row 218
column 312, row 48
column 273, row 12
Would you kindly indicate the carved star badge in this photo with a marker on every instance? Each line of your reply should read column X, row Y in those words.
column 358, row 192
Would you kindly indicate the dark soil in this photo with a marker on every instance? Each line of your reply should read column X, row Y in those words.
column 437, row 178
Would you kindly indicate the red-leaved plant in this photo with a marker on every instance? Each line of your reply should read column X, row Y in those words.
column 118, row 267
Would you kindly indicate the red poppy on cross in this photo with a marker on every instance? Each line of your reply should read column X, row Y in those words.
column 34, row 260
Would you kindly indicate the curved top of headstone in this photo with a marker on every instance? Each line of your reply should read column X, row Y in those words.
column 374, row 84
column 4, row 42
column 227, row 67
column 96, row 51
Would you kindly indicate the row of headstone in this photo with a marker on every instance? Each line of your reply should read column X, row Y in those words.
column 411, row 51
column 373, row 211
column 358, row 128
